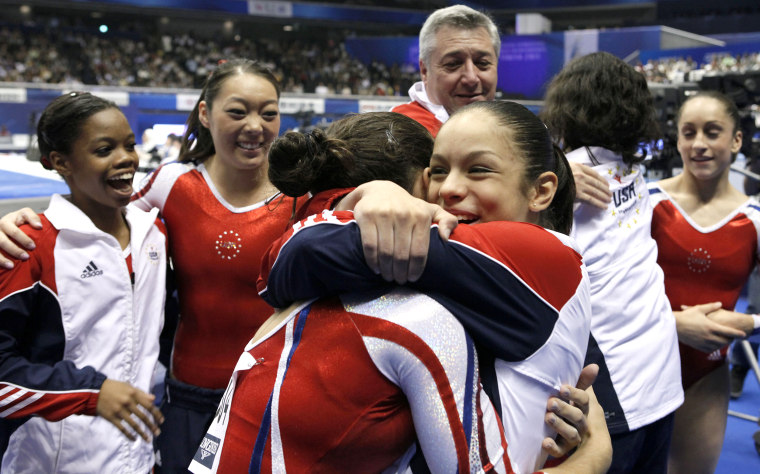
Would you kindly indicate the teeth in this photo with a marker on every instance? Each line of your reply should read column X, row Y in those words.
column 122, row 176
column 249, row 146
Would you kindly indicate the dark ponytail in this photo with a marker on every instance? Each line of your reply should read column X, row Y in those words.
column 559, row 215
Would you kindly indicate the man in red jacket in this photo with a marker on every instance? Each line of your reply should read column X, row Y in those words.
column 459, row 54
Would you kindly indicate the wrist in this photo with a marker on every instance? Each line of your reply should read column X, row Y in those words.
column 755, row 323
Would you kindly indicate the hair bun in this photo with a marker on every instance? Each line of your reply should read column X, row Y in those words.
column 295, row 160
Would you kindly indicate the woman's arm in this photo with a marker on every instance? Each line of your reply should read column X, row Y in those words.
column 496, row 278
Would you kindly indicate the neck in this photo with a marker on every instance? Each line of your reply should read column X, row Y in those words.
column 705, row 190
column 108, row 219
column 240, row 187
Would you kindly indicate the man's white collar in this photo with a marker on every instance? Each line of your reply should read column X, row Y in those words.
column 418, row 94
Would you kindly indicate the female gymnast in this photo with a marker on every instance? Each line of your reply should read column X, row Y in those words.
column 531, row 277
column 80, row 320
column 707, row 234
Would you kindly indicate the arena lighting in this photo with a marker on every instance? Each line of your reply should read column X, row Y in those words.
column 103, row 29
column 25, row 9
column 287, row 28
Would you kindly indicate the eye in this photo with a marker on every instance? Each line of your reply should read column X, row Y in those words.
column 130, row 146
column 438, row 171
column 452, row 65
column 237, row 113
column 480, row 169
column 271, row 114
column 104, row 150
column 483, row 64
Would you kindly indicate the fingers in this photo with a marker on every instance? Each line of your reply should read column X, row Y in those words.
column 590, row 186
column 129, row 409
column 587, row 376
column 13, row 240
column 705, row 307
column 445, row 220
column 370, row 245
column 418, row 251
column 568, row 436
column 395, row 230
column 727, row 333
column 553, row 448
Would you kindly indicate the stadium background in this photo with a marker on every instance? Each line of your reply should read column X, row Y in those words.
column 337, row 57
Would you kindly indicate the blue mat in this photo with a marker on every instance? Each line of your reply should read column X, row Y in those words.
column 738, row 455
column 18, row 185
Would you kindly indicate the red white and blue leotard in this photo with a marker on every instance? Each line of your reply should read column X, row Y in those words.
column 703, row 264
column 520, row 291
column 343, row 384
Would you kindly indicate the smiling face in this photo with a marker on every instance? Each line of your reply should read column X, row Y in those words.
column 461, row 69
column 101, row 164
column 476, row 174
column 243, row 120
column 706, row 138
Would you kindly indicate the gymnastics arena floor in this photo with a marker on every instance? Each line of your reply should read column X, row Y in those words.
column 27, row 183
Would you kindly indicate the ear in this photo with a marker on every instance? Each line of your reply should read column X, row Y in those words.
column 419, row 189
column 61, row 163
column 736, row 143
column 203, row 113
column 426, row 180
column 423, row 71
column 542, row 191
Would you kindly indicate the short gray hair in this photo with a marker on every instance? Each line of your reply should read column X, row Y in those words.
column 456, row 16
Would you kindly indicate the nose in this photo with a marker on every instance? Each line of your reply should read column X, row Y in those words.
column 699, row 142
column 126, row 158
column 453, row 189
column 253, row 123
column 470, row 74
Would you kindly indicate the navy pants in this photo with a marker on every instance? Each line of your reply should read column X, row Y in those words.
column 644, row 449
column 188, row 411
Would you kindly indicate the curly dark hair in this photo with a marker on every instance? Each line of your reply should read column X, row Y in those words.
column 599, row 100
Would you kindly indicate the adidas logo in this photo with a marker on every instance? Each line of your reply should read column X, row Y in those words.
column 91, row 270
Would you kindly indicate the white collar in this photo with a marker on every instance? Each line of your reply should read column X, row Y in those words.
column 418, row 94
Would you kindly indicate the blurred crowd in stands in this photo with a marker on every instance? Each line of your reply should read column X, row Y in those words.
column 676, row 70
column 53, row 53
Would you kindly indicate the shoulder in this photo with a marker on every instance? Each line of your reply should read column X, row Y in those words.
column 418, row 112
column 163, row 178
column 529, row 251
column 657, row 193
column 155, row 188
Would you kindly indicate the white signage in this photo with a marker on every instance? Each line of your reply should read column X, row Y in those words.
column 370, row 105
column 186, row 101
column 276, row 9
column 11, row 94
column 292, row 105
